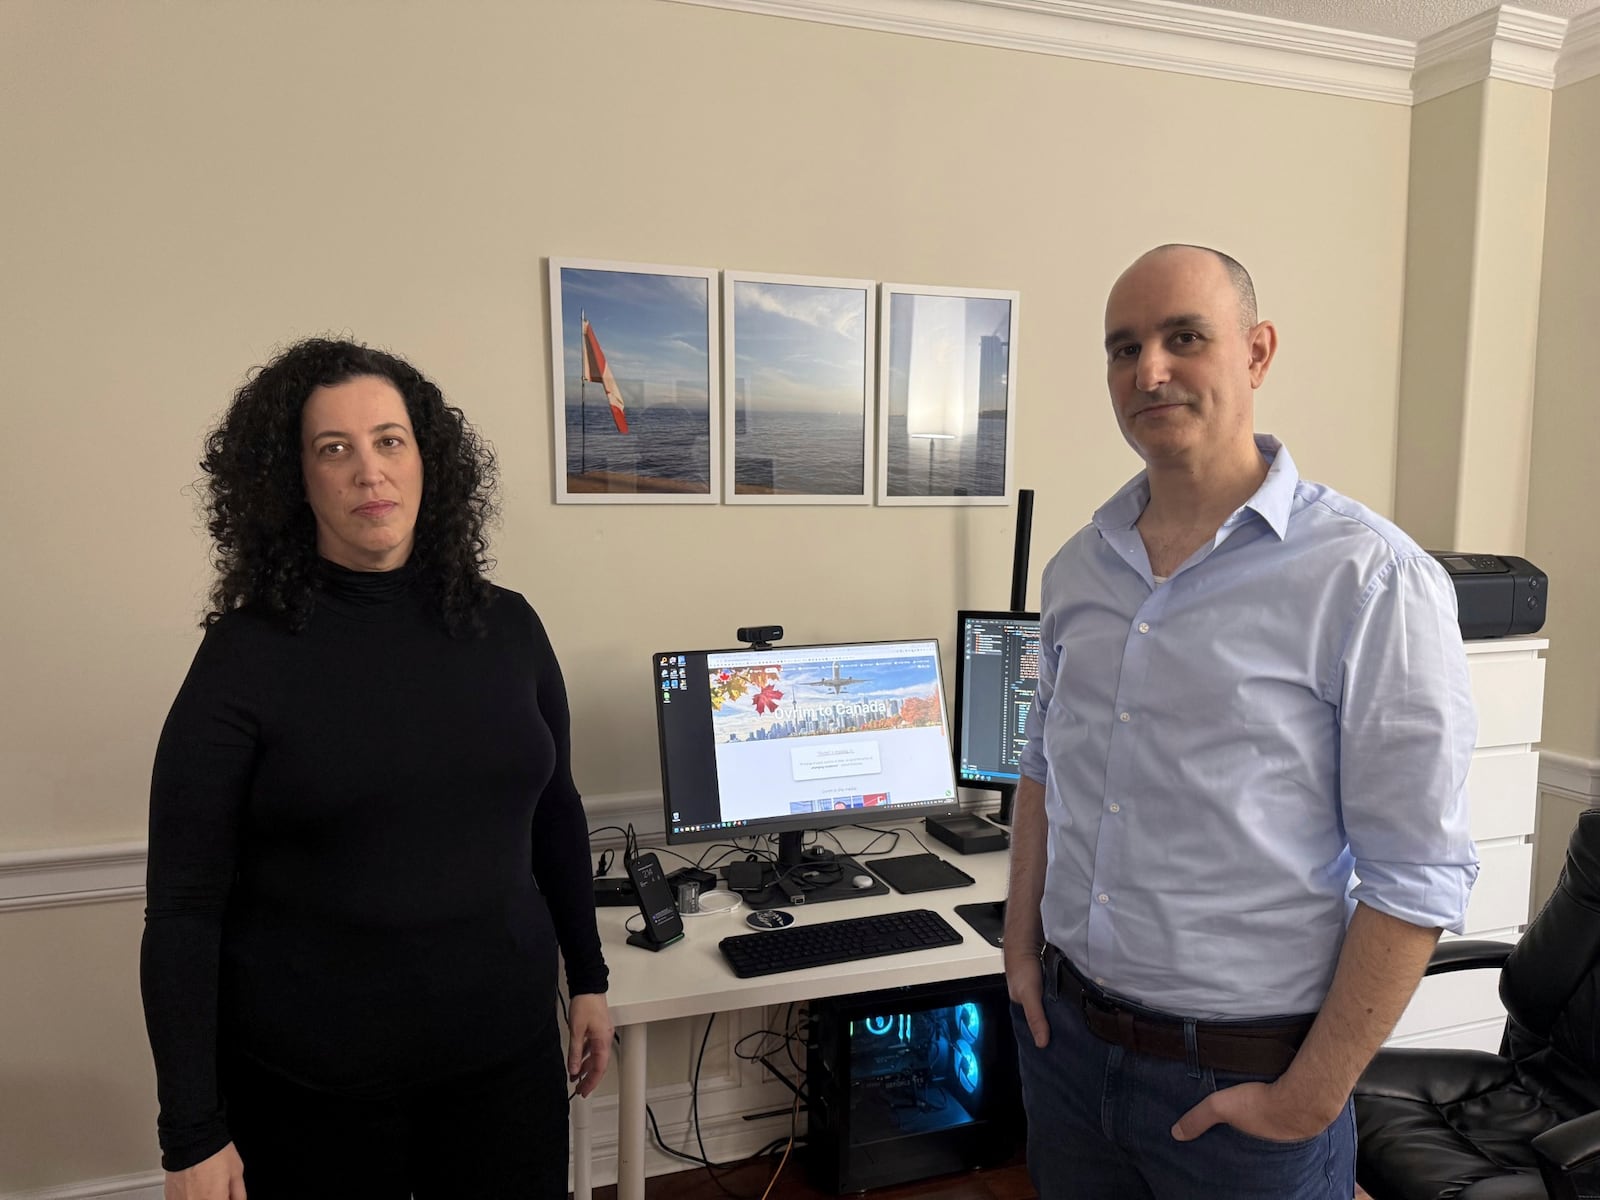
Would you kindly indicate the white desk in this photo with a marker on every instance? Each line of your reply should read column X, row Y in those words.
column 691, row 978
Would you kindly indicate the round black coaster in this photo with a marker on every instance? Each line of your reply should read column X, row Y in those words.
column 768, row 918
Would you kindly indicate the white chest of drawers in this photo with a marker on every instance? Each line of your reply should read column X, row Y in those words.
column 1464, row 1009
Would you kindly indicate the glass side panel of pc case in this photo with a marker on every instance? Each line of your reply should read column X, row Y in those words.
column 912, row 1082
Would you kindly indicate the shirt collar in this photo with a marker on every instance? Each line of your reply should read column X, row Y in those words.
column 1272, row 501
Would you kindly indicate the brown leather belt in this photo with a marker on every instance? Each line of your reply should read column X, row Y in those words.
column 1242, row 1047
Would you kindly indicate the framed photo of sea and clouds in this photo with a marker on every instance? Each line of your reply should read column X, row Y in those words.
column 633, row 356
column 797, row 413
column 946, row 387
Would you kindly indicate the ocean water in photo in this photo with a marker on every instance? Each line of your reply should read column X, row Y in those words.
column 816, row 454
column 664, row 441
column 973, row 464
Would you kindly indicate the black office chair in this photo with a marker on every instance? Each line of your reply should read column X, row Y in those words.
column 1523, row 1124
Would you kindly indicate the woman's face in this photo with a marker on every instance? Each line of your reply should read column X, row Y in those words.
column 363, row 473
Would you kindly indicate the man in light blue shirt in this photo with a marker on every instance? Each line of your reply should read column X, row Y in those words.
column 1242, row 821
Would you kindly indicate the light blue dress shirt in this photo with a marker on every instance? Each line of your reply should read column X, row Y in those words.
column 1221, row 751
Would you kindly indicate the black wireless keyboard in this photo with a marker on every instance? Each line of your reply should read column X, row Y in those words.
column 818, row 945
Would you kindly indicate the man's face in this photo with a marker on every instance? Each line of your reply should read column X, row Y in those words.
column 1180, row 364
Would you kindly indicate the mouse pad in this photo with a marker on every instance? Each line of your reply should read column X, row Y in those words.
column 918, row 873
column 988, row 917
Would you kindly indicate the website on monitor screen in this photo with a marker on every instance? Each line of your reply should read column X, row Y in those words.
column 806, row 730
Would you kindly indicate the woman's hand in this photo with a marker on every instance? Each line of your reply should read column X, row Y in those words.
column 588, row 1043
column 220, row 1177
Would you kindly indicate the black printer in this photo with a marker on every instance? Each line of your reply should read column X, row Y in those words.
column 1496, row 595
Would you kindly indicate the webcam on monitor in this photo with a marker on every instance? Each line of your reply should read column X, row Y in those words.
column 760, row 637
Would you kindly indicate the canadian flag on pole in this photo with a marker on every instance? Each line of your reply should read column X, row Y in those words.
column 596, row 371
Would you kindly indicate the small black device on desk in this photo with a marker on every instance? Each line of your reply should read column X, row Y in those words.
column 1497, row 595
column 968, row 833
column 825, row 942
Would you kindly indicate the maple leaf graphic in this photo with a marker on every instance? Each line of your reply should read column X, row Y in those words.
column 766, row 700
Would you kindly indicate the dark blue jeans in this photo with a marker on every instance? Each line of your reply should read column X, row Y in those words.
column 1100, row 1127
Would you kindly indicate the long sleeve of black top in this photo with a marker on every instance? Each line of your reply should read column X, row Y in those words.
column 365, row 846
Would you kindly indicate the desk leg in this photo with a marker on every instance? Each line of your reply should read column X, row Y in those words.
column 630, row 1112
column 582, row 1150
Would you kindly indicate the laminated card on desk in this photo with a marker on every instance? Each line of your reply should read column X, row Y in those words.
column 918, row 873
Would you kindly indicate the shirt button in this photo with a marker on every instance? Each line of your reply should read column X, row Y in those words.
column 1103, row 898
column 1144, row 626
column 1099, row 981
column 1124, row 717
column 1116, row 808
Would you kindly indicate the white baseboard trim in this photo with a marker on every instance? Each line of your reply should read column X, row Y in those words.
column 728, row 1138
column 59, row 876
column 64, row 875
column 1570, row 776
column 146, row 1186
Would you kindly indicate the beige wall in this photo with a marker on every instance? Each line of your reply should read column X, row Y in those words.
column 1563, row 533
column 188, row 184
column 1474, row 247
column 194, row 183
column 1440, row 234
column 77, row 1095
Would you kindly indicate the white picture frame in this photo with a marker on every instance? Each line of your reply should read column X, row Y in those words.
column 947, row 362
column 798, row 375
column 647, row 433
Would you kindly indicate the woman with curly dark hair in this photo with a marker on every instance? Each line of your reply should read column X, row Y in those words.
column 365, row 841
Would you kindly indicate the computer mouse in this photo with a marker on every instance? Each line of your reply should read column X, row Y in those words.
column 861, row 882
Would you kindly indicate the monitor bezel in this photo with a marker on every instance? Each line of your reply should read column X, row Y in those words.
column 813, row 821
column 958, row 707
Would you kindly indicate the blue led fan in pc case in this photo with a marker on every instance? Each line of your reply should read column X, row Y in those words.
column 912, row 1082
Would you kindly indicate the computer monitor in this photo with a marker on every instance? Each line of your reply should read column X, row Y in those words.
column 793, row 739
column 997, row 670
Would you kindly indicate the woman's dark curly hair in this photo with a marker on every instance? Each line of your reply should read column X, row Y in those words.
column 263, row 526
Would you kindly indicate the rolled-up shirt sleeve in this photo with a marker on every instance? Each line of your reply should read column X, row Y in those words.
column 1407, row 729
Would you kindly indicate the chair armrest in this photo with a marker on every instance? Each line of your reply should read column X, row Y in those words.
column 1564, row 1149
column 1467, row 954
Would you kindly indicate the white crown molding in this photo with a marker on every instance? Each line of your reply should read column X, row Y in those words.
column 1571, row 776
column 1580, row 51
column 1504, row 43
column 1153, row 34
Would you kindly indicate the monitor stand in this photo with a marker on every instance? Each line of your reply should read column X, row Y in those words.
column 819, row 879
column 1008, row 793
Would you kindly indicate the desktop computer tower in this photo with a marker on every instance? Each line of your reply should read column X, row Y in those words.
column 911, row 1082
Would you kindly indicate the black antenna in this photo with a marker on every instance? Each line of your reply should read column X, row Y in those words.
column 1019, row 603
column 1019, row 555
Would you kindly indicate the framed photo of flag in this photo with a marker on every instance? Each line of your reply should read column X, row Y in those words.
column 798, row 369
column 634, row 365
column 946, row 387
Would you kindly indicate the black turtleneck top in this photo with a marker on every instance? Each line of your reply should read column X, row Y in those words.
column 365, row 846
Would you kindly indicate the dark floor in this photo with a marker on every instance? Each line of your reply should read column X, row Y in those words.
column 1009, row 1182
